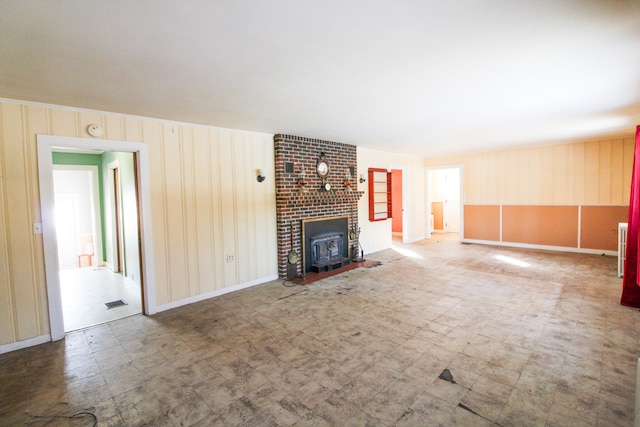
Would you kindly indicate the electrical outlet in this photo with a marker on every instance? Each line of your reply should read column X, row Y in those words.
column 37, row 228
column 231, row 258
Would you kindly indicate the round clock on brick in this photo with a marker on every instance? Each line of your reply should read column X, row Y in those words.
column 322, row 167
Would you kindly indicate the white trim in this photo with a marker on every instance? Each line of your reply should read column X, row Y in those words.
column 501, row 222
column 543, row 247
column 18, row 345
column 373, row 251
column 45, row 145
column 579, row 226
column 216, row 293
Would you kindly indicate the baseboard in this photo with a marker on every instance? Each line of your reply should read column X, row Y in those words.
column 213, row 294
column 543, row 247
column 18, row 345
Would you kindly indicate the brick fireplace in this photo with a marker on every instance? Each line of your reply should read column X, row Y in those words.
column 301, row 197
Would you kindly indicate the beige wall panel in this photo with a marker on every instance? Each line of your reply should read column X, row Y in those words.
column 174, row 187
column 18, row 219
column 540, row 225
column 599, row 226
column 482, row 222
column 228, row 205
column 578, row 173
column 216, row 206
column 538, row 183
column 617, row 173
column 629, row 147
column 494, row 162
column 37, row 120
column 63, row 122
column 9, row 330
column 132, row 129
column 604, row 172
column 563, row 174
column 203, row 210
column 558, row 193
column 592, row 173
column 492, row 179
column 114, row 128
column 244, row 196
column 266, row 210
column 153, row 136
column 189, row 210
column 512, row 185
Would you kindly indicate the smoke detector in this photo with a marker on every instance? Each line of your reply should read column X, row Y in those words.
column 95, row 130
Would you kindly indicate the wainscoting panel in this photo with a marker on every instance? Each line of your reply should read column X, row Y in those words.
column 482, row 222
column 540, row 225
column 599, row 226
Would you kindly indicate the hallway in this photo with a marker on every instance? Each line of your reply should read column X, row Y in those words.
column 85, row 292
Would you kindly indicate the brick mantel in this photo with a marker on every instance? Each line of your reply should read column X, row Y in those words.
column 296, row 202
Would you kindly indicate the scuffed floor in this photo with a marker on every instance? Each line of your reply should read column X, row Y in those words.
column 440, row 333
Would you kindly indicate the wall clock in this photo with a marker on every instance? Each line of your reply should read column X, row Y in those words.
column 322, row 167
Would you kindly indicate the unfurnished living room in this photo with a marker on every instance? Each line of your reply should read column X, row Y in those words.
column 319, row 213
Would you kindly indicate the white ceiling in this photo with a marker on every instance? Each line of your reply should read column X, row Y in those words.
column 413, row 76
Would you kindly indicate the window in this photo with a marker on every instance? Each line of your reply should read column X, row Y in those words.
column 379, row 194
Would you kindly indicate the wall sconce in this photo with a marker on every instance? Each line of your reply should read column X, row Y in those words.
column 362, row 179
column 347, row 179
column 261, row 176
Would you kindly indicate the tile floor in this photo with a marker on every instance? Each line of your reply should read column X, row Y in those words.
column 85, row 292
column 441, row 333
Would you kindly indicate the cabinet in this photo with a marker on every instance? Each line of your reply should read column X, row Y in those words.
column 379, row 194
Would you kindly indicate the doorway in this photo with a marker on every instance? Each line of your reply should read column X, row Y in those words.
column 444, row 197
column 397, row 206
column 139, row 259
column 89, row 285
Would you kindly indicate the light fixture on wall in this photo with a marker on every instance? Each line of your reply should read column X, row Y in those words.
column 261, row 176
column 347, row 179
column 362, row 179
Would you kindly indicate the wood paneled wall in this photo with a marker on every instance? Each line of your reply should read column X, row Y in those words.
column 582, row 173
column 206, row 206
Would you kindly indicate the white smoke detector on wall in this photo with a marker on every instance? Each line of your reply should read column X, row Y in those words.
column 95, row 130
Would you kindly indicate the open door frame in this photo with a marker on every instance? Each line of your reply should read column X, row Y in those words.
column 47, row 202
column 462, row 195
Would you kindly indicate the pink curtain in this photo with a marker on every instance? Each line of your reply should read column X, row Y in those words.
column 630, row 283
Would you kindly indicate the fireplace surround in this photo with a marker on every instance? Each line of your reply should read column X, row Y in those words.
column 301, row 195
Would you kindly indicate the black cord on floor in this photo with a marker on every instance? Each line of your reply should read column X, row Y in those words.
column 47, row 417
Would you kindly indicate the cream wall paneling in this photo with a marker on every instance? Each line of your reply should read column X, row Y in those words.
column 45, row 144
column 590, row 172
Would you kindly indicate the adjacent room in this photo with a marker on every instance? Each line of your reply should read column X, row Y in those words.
column 316, row 213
